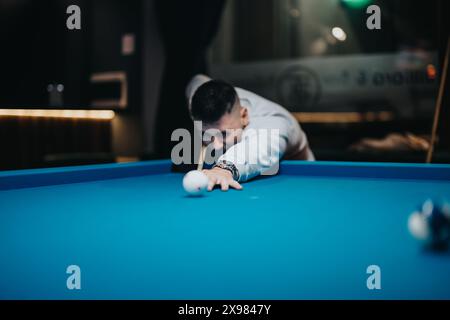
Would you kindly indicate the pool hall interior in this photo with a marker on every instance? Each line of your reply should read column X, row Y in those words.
column 113, row 91
column 92, row 91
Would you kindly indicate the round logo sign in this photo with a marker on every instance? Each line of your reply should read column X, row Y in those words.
column 298, row 88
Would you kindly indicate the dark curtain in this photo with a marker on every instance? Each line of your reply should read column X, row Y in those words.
column 38, row 50
column 26, row 29
column 187, row 28
column 444, row 36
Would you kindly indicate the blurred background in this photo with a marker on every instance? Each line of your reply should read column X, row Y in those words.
column 114, row 90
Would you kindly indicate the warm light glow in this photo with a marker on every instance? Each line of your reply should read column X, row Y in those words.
column 339, row 34
column 343, row 117
column 431, row 71
column 41, row 113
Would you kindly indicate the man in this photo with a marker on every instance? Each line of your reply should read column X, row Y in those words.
column 221, row 107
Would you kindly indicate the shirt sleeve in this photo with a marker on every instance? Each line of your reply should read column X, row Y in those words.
column 260, row 150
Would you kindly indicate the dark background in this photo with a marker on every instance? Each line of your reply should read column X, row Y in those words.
column 172, row 42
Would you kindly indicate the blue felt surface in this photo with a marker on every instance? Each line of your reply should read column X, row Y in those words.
column 284, row 237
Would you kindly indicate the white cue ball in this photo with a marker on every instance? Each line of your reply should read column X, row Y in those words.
column 195, row 183
column 418, row 226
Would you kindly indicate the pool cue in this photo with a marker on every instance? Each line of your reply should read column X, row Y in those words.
column 201, row 158
column 438, row 104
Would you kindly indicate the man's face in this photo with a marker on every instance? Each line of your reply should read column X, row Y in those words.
column 228, row 130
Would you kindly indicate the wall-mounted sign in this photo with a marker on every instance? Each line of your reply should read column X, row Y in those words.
column 404, row 83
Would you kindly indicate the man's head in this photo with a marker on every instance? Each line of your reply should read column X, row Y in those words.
column 216, row 104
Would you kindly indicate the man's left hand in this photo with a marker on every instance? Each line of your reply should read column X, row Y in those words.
column 222, row 177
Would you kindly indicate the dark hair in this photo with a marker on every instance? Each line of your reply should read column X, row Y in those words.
column 212, row 100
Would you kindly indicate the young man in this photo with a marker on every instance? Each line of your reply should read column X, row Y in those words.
column 242, row 115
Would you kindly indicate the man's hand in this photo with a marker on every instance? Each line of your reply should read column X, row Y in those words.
column 222, row 177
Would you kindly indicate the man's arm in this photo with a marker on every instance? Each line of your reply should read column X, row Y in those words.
column 260, row 150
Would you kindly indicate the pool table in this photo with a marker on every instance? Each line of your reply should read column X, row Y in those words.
column 309, row 232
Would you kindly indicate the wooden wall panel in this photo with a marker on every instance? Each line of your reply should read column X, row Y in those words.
column 26, row 141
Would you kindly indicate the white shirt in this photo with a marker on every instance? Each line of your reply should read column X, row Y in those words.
column 252, row 156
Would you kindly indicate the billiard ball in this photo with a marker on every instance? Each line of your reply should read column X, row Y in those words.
column 431, row 224
column 418, row 227
column 195, row 183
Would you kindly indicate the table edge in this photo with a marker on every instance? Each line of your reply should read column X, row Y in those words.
column 29, row 178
